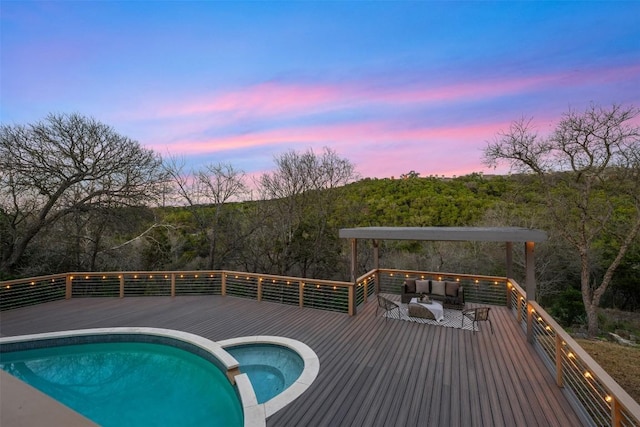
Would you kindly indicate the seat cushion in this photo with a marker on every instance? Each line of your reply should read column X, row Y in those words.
column 410, row 285
column 451, row 289
column 422, row 286
column 438, row 287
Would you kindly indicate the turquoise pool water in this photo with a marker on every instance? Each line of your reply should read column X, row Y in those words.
column 271, row 368
column 130, row 384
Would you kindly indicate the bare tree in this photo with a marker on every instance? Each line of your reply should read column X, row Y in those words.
column 589, row 170
column 65, row 164
column 302, row 199
column 206, row 192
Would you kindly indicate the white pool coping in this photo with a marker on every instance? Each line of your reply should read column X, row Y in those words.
column 255, row 414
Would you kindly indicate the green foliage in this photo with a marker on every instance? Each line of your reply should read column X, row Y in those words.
column 567, row 307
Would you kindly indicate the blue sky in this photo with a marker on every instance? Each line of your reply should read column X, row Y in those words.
column 392, row 86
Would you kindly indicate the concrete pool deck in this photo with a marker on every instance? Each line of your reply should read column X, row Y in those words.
column 24, row 406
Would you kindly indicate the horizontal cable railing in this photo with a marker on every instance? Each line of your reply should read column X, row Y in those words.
column 313, row 293
column 35, row 290
column 595, row 395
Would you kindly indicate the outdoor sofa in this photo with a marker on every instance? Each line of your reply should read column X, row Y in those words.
column 451, row 294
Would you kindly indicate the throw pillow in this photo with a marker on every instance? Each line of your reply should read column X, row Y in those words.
column 438, row 287
column 422, row 286
column 410, row 285
column 451, row 289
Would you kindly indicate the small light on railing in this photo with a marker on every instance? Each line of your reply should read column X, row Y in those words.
column 119, row 276
column 273, row 280
column 495, row 282
column 135, row 276
column 317, row 286
column 508, row 285
column 151, row 276
column 548, row 328
column 521, row 298
column 211, row 275
column 182, row 276
column 71, row 278
column 288, row 282
column 8, row 287
column 571, row 355
column 86, row 277
column 539, row 319
column 422, row 277
column 335, row 288
column 104, row 277
column 236, row 276
column 33, row 283
column 166, row 276
column 391, row 274
column 406, row 275
column 587, row 375
column 457, row 279
column 608, row 398
column 195, row 276
column 477, row 281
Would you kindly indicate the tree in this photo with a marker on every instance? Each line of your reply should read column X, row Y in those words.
column 207, row 192
column 63, row 165
column 589, row 172
column 301, row 201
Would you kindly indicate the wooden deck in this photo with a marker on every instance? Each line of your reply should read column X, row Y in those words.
column 373, row 371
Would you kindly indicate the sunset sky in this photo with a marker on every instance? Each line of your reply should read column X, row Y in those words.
column 392, row 86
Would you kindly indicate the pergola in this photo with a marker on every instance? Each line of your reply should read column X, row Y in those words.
column 508, row 235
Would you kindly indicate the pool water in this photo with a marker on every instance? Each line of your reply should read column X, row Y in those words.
column 271, row 368
column 130, row 384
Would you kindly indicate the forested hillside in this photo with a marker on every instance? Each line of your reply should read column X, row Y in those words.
column 68, row 206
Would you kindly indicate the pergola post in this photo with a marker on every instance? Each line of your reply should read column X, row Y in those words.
column 376, row 264
column 509, row 254
column 354, row 260
column 530, row 282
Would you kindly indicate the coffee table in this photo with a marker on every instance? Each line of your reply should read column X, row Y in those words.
column 434, row 309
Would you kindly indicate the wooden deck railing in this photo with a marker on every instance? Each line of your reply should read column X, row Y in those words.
column 595, row 395
column 314, row 293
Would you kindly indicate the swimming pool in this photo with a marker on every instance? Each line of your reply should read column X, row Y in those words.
column 130, row 383
column 180, row 355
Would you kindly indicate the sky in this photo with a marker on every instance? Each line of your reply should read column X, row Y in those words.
column 393, row 86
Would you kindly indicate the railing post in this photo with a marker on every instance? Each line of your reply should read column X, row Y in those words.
column 68, row 287
column 223, row 284
column 173, row 284
column 259, row 296
column 616, row 414
column 365, row 286
column 559, row 373
column 508, row 294
column 530, row 335
column 352, row 300
column 121, row 277
column 301, row 294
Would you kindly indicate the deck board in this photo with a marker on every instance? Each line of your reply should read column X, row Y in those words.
column 373, row 371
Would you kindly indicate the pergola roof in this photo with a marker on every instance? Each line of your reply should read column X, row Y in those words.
column 479, row 234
